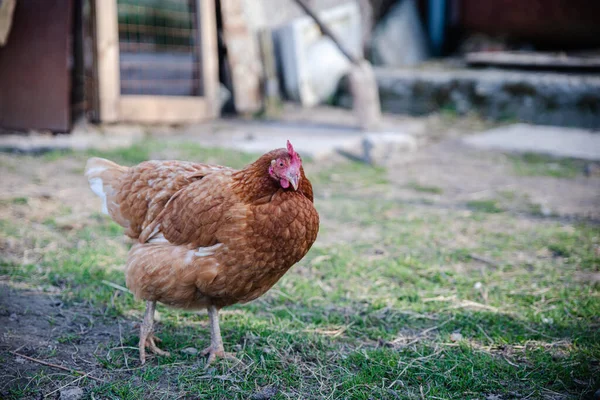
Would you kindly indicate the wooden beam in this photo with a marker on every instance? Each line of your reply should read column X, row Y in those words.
column 107, row 56
column 209, row 55
column 533, row 59
column 7, row 9
column 242, row 55
column 272, row 100
column 164, row 109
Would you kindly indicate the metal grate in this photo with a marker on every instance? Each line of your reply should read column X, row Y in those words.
column 159, row 47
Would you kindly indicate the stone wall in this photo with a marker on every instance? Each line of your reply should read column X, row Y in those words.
column 542, row 98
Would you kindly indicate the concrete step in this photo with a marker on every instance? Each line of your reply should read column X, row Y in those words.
column 550, row 140
column 547, row 98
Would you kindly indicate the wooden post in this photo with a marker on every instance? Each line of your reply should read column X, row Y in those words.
column 243, row 56
column 272, row 101
column 365, row 96
column 210, row 63
column 7, row 9
column 107, row 56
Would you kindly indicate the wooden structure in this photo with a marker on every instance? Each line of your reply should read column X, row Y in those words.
column 115, row 105
column 565, row 24
column 534, row 60
column 243, row 56
column 35, row 80
column 7, row 9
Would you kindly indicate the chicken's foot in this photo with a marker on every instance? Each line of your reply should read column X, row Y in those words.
column 216, row 349
column 147, row 338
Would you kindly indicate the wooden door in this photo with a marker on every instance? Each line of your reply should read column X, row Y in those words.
column 35, row 76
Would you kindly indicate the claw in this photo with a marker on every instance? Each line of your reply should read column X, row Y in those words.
column 150, row 343
column 147, row 338
column 214, row 353
column 215, row 350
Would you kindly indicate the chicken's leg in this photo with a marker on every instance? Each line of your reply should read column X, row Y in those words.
column 216, row 348
column 147, row 338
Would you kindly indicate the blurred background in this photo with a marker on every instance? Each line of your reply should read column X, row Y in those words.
column 169, row 61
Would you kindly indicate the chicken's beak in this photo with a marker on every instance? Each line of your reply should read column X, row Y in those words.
column 294, row 179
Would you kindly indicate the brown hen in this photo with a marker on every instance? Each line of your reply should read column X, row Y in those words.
column 207, row 236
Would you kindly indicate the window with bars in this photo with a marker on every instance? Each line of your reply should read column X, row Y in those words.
column 159, row 49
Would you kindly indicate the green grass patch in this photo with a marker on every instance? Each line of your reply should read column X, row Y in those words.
column 55, row 155
column 19, row 200
column 424, row 188
column 533, row 164
column 159, row 149
column 128, row 155
column 485, row 206
column 189, row 151
column 352, row 174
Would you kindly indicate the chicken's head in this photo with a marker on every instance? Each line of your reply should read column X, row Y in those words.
column 286, row 169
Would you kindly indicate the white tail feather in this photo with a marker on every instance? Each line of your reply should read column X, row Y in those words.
column 99, row 173
column 98, row 188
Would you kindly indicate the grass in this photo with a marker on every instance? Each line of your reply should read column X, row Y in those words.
column 485, row 206
column 373, row 311
column 20, row 200
column 155, row 149
column 533, row 164
column 424, row 188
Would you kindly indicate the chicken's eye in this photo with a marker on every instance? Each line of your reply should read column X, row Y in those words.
column 281, row 163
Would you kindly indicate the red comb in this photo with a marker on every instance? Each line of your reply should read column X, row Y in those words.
column 292, row 152
column 290, row 149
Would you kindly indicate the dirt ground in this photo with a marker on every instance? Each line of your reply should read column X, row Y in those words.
column 444, row 174
column 463, row 174
column 32, row 320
